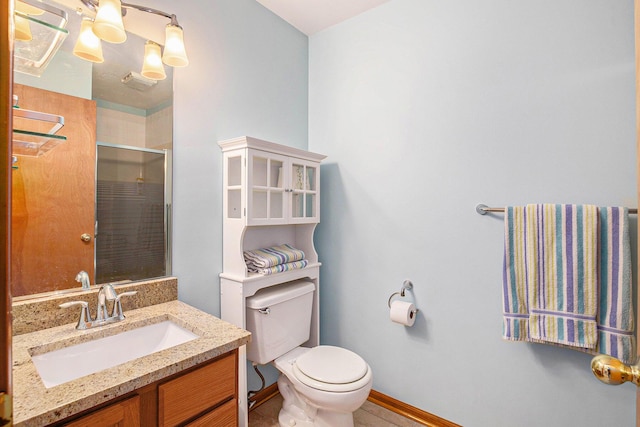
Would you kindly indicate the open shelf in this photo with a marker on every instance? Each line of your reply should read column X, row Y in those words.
column 48, row 32
column 41, row 134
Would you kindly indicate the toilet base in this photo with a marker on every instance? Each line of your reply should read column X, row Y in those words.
column 296, row 411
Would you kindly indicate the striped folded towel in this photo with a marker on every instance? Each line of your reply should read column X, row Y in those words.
column 562, row 274
column 280, row 267
column 272, row 256
column 616, row 315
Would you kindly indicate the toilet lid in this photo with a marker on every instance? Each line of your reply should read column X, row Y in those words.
column 327, row 365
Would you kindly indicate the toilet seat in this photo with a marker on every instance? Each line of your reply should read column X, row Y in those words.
column 332, row 369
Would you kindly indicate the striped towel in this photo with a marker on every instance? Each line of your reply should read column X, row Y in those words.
column 515, row 325
column 280, row 267
column 562, row 274
column 272, row 256
column 549, row 275
column 615, row 319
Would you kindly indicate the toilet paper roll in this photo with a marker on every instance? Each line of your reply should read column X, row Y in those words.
column 403, row 313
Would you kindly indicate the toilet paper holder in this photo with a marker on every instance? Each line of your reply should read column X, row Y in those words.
column 406, row 285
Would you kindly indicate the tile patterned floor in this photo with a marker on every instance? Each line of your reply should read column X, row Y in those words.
column 369, row 415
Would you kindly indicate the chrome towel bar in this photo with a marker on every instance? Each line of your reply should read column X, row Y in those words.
column 484, row 209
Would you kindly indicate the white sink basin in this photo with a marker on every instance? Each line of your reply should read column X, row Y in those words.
column 69, row 363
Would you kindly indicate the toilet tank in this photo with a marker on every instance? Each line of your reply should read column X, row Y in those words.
column 279, row 317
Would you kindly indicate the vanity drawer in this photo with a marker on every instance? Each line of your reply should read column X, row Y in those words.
column 125, row 413
column 224, row 416
column 197, row 391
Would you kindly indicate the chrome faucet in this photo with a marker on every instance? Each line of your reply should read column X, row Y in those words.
column 106, row 293
column 83, row 278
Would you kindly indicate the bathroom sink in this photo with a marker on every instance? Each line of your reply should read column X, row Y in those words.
column 69, row 363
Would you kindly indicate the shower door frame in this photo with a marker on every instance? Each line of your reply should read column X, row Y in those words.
column 168, row 199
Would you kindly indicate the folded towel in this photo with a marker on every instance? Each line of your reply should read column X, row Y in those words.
column 272, row 256
column 615, row 319
column 514, row 276
column 562, row 274
column 280, row 267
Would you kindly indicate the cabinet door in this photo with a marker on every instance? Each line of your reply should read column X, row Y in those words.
column 304, row 191
column 266, row 178
column 121, row 414
column 224, row 416
column 233, row 179
column 196, row 392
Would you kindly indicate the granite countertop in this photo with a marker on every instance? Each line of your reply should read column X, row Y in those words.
column 35, row 405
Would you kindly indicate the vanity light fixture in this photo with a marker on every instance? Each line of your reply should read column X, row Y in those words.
column 23, row 29
column 152, row 67
column 88, row 46
column 108, row 26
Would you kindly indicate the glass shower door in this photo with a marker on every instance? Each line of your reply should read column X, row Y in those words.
column 131, row 219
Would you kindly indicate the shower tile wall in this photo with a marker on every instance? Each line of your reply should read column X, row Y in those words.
column 116, row 127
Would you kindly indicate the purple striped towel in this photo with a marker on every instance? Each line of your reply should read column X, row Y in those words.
column 615, row 318
column 515, row 326
column 562, row 274
column 550, row 275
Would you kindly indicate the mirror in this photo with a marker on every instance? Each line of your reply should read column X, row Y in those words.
column 125, row 236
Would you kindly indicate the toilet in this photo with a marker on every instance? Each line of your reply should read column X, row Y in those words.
column 321, row 386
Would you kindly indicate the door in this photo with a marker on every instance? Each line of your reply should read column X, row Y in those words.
column 266, row 192
column 303, row 189
column 53, row 199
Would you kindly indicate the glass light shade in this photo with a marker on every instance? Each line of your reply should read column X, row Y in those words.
column 27, row 9
column 23, row 30
column 88, row 46
column 108, row 24
column 152, row 67
column 174, row 54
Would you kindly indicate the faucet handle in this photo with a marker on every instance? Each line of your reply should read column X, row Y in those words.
column 117, row 306
column 85, row 317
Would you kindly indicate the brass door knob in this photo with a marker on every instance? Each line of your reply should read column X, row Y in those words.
column 610, row 370
column 85, row 237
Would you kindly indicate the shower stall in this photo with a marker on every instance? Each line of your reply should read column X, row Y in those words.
column 133, row 211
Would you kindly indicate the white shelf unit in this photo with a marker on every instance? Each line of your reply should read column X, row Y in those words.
column 271, row 196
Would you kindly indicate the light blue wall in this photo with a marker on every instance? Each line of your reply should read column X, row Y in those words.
column 426, row 108
column 64, row 74
column 247, row 76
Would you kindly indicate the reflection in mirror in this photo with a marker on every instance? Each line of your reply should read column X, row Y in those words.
column 119, row 140
column 130, row 244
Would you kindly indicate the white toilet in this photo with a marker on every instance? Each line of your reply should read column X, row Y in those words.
column 321, row 386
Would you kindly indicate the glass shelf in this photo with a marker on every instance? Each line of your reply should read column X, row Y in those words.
column 41, row 136
column 34, row 144
column 48, row 31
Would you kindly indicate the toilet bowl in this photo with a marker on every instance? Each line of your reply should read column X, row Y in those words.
column 322, row 386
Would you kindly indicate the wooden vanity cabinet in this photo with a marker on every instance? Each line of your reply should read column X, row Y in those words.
column 205, row 395
column 125, row 413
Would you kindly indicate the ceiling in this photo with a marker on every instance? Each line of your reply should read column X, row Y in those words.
column 311, row 16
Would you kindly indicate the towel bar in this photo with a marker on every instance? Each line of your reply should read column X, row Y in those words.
column 484, row 209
